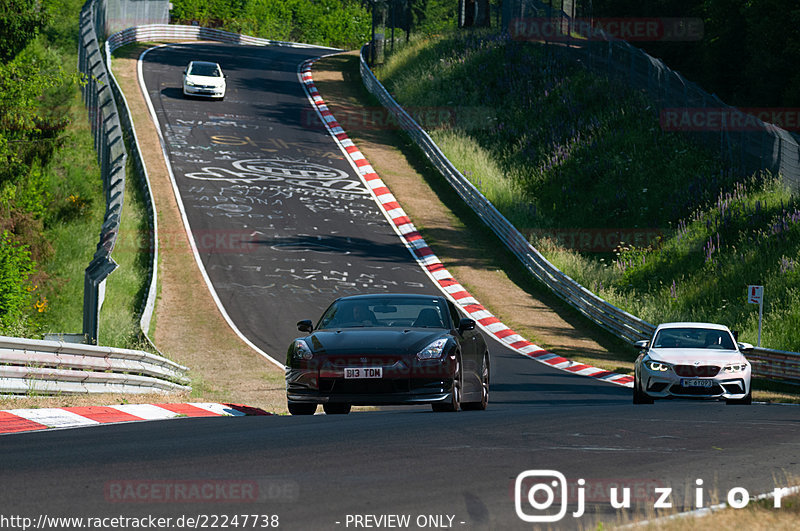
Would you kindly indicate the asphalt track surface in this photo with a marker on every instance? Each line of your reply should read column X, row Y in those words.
column 323, row 472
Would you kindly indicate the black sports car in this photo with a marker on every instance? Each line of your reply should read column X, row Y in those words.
column 388, row 349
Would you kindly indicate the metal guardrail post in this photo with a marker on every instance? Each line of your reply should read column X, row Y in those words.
column 93, row 294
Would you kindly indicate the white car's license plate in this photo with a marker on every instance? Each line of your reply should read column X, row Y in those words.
column 362, row 372
column 697, row 383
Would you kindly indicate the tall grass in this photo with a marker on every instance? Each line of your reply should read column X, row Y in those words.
column 76, row 215
column 569, row 149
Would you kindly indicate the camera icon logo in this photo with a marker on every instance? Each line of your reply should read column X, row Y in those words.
column 540, row 496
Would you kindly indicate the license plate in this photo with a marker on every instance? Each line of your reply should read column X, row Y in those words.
column 351, row 373
column 697, row 383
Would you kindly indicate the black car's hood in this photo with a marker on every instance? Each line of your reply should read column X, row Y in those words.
column 373, row 340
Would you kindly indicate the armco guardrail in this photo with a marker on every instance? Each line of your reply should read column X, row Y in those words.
column 29, row 366
column 112, row 157
column 775, row 364
column 167, row 32
column 767, row 363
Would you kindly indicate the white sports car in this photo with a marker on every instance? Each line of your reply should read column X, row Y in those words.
column 202, row 78
column 692, row 360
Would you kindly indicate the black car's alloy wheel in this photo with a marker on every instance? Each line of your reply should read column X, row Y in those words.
column 302, row 408
column 336, row 409
column 454, row 402
column 484, row 389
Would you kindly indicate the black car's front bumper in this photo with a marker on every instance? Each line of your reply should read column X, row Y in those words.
column 303, row 385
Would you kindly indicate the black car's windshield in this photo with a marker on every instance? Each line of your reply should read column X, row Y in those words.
column 205, row 69
column 390, row 312
column 694, row 338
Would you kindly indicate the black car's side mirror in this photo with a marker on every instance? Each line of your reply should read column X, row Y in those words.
column 466, row 324
column 305, row 325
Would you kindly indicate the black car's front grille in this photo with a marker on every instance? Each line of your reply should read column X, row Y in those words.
column 356, row 387
column 363, row 360
column 696, row 391
column 700, row 371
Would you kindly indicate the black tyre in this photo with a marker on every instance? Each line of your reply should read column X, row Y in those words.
column 302, row 408
column 484, row 402
column 336, row 409
column 639, row 397
column 454, row 402
column 746, row 401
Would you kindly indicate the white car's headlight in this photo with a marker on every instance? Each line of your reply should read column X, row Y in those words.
column 657, row 366
column 735, row 367
column 189, row 82
column 301, row 350
column 433, row 351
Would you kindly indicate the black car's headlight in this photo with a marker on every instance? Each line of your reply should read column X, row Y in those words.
column 735, row 367
column 658, row 366
column 301, row 350
column 433, row 351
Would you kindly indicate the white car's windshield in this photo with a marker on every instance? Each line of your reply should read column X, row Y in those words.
column 204, row 69
column 693, row 338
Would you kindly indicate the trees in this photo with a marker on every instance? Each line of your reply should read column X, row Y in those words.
column 28, row 135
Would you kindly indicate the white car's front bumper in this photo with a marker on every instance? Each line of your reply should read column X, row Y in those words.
column 204, row 90
column 678, row 383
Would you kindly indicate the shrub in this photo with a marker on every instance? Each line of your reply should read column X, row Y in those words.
column 16, row 267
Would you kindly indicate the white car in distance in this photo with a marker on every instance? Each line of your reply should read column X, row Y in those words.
column 692, row 360
column 204, row 78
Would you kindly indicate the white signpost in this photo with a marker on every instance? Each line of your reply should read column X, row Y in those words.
column 755, row 295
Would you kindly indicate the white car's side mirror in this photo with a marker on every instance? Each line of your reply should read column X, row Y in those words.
column 744, row 347
column 642, row 344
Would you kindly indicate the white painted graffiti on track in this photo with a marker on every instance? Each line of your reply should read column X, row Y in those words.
column 296, row 173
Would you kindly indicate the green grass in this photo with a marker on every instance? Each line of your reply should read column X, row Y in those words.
column 77, row 208
column 565, row 148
